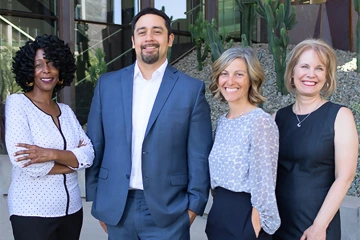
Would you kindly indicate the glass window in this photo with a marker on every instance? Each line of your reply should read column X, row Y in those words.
column 14, row 32
column 229, row 18
column 182, row 13
column 17, row 30
column 174, row 9
column 106, row 11
column 99, row 49
column 43, row 7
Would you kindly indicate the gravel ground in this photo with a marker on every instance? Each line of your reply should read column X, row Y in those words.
column 347, row 93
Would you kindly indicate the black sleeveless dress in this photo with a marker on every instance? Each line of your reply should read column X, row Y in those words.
column 306, row 170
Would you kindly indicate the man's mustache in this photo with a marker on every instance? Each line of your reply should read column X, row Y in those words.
column 150, row 45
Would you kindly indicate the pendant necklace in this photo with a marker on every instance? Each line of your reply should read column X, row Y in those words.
column 297, row 117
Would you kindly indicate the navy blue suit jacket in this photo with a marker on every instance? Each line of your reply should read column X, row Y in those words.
column 175, row 149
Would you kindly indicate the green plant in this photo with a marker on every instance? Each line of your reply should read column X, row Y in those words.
column 7, row 80
column 248, row 16
column 357, row 9
column 279, row 18
column 97, row 65
column 168, row 55
column 244, row 41
column 7, row 84
column 216, row 41
column 198, row 31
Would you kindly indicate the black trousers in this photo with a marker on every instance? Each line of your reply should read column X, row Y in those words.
column 230, row 217
column 52, row 228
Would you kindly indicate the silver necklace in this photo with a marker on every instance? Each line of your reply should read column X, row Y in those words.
column 297, row 117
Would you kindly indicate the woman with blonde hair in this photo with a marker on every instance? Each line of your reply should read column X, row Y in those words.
column 318, row 147
column 243, row 159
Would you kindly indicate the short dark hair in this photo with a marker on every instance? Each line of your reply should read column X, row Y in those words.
column 55, row 51
column 151, row 10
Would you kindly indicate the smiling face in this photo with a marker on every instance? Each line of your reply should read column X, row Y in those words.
column 46, row 75
column 234, row 82
column 309, row 74
column 151, row 40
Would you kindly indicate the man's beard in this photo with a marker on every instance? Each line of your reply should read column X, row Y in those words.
column 150, row 58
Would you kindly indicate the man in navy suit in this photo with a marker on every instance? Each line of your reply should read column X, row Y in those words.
column 151, row 130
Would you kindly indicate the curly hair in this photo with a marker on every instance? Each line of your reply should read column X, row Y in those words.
column 55, row 51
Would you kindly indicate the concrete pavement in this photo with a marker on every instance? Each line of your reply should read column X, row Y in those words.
column 91, row 229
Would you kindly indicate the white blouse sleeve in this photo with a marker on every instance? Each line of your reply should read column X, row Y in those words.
column 84, row 154
column 263, row 169
column 17, row 130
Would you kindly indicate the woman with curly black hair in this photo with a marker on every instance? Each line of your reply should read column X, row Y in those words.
column 46, row 145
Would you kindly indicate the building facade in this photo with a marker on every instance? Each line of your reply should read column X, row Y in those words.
column 99, row 33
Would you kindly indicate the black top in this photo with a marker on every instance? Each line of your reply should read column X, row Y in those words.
column 306, row 169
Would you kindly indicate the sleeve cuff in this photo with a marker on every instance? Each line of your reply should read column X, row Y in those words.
column 81, row 158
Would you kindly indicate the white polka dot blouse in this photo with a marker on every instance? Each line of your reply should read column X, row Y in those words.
column 32, row 191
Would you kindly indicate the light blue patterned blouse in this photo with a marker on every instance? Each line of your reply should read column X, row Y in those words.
column 244, row 159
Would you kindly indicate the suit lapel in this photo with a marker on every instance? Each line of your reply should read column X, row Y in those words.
column 127, row 80
column 165, row 89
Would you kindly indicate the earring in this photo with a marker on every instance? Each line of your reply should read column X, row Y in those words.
column 60, row 82
column 29, row 84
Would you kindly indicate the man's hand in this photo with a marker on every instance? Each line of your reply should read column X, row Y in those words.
column 192, row 216
column 103, row 225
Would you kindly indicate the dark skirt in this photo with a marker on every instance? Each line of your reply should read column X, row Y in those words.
column 230, row 217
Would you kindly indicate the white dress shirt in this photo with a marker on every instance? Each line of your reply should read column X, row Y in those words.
column 144, row 95
column 32, row 191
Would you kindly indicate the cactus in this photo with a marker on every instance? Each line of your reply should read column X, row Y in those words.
column 279, row 18
column 197, row 32
column 168, row 55
column 357, row 9
column 216, row 41
column 244, row 41
column 248, row 16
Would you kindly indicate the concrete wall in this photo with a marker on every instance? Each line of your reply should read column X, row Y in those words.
column 350, row 208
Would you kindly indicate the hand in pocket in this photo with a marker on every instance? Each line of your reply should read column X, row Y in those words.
column 255, row 220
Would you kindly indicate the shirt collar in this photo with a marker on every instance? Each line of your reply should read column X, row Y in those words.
column 158, row 72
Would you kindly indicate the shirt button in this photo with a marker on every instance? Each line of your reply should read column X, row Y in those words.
column 144, row 152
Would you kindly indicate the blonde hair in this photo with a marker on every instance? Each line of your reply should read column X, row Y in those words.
column 327, row 57
column 254, row 69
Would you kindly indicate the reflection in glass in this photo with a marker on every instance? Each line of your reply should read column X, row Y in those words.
column 229, row 18
column 14, row 32
column 99, row 48
column 43, row 7
column 174, row 9
column 106, row 11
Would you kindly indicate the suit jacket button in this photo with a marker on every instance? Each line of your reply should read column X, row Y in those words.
column 144, row 152
column 127, row 176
